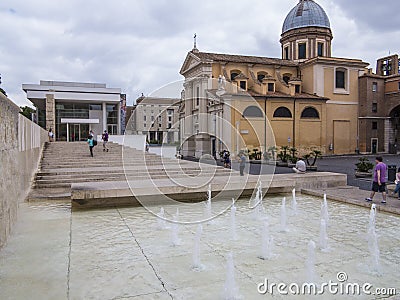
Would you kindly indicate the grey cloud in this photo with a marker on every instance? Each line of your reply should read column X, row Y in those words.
column 372, row 14
column 139, row 45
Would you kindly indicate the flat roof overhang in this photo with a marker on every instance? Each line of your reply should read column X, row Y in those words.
column 79, row 121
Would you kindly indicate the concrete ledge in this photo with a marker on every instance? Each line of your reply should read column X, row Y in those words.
column 150, row 192
column 355, row 196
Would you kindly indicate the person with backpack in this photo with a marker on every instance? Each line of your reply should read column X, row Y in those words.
column 91, row 143
column 51, row 135
column 104, row 137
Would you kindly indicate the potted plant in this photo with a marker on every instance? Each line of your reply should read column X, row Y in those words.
column 255, row 157
column 293, row 157
column 314, row 155
column 271, row 155
column 283, row 155
column 364, row 168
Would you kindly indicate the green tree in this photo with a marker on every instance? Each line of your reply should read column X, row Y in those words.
column 27, row 111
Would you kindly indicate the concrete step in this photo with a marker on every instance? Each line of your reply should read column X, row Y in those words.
column 66, row 175
column 67, row 182
column 52, row 194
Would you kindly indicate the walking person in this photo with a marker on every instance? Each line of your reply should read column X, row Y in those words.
column 104, row 137
column 91, row 133
column 90, row 141
column 397, row 182
column 242, row 163
column 51, row 135
column 379, row 183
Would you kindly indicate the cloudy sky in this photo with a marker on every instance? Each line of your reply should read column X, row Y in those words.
column 140, row 45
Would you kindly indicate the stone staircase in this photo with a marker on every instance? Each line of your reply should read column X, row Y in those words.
column 64, row 164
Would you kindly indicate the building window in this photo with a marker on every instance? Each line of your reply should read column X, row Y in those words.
column 260, row 77
column 243, row 85
column 253, row 112
column 297, row 88
column 310, row 113
column 399, row 86
column 159, row 118
column 374, row 86
column 320, row 49
column 159, row 125
column 233, row 75
column 340, row 78
column 170, row 111
column 112, row 114
column 169, row 126
column 144, row 118
column 95, row 107
column 386, row 67
column 197, row 96
column 144, row 124
column 282, row 112
column 152, row 118
column 302, row 49
column 286, row 53
column 271, row 87
column 374, row 125
column 374, row 107
column 286, row 78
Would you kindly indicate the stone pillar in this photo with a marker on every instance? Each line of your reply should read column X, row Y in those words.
column 203, row 140
column 104, row 106
column 188, row 143
column 119, row 119
column 387, row 133
column 50, row 113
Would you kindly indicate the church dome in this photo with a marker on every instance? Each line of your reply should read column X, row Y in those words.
column 305, row 14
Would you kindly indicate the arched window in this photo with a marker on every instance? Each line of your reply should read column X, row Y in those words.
column 310, row 113
column 286, row 77
column 253, row 112
column 234, row 73
column 261, row 76
column 282, row 112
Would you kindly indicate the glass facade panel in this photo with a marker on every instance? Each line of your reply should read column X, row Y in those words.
column 70, row 111
column 112, row 114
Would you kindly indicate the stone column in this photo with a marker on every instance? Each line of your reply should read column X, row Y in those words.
column 119, row 119
column 50, row 113
column 203, row 140
column 104, row 106
column 188, row 146
column 387, row 132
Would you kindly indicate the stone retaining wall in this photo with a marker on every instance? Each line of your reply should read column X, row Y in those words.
column 21, row 142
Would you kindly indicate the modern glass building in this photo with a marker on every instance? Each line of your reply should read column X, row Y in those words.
column 72, row 109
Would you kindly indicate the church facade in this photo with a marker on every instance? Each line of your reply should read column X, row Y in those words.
column 306, row 99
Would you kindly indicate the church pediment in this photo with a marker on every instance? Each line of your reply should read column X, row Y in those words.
column 191, row 61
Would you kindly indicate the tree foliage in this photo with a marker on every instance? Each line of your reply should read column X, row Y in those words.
column 27, row 111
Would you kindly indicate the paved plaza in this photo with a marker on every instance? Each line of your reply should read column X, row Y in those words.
column 127, row 253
